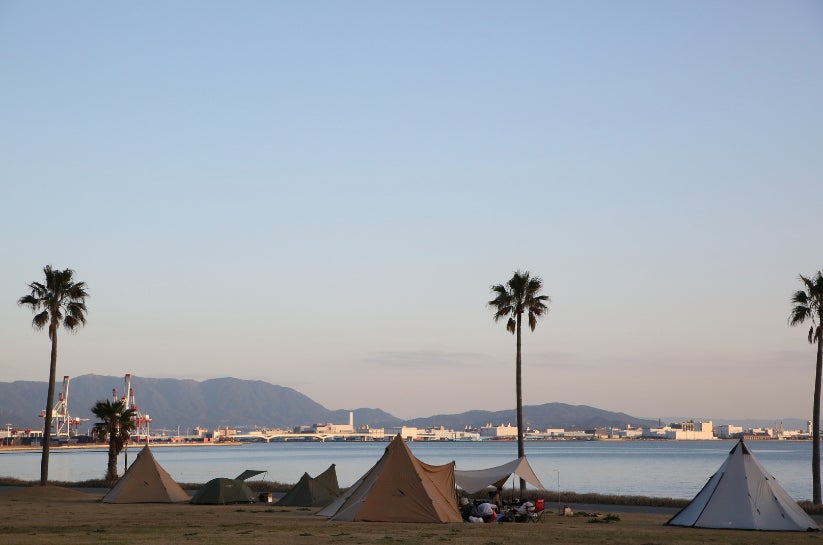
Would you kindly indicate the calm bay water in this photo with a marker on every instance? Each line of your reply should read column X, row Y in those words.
column 676, row 469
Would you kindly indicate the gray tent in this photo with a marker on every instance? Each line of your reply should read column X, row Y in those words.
column 741, row 495
column 222, row 491
column 313, row 492
column 475, row 480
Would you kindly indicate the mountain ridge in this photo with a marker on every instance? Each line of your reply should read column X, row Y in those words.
column 240, row 403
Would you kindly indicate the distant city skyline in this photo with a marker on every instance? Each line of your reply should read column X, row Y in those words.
column 321, row 195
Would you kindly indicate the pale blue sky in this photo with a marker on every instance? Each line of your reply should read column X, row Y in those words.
column 319, row 195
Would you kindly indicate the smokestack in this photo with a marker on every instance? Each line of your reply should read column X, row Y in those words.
column 351, row 419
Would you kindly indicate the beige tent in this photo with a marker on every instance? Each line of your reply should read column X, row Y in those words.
column 742, row 495
column 399, row 488
column 472, row 481
column 146, row 482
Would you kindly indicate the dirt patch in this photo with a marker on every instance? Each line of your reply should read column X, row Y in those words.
column 47, row 493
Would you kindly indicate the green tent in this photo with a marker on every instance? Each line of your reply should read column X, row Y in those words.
column 313, row 492
column 222, row 491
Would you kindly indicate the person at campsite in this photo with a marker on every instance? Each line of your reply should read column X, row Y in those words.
column 523, row 511
column 487, row 511
column 496, row 497
column 468, row 509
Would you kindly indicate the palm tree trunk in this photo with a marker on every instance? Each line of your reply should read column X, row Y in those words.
column 111, row 470
column 816, row 421
column 519, row 380
column 47, row 421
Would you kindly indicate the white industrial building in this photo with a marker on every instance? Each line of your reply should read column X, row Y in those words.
column 498, row 432
column 727, row 431
column 693, row 431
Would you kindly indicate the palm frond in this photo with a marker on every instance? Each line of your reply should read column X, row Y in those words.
column 101, row 431
column 521, row 293
column 77, row 291
column 533, row 320
column 29, row 300
column 511, row 326
column 40, row 320
column 38, row 290
column 808, row 303
column 800, row 297
column 799, row 314
column 61, row 299
column 502, row 313
column 502, row 303
column 71, row 323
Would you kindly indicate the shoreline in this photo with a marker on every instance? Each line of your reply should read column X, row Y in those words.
column 93, row 446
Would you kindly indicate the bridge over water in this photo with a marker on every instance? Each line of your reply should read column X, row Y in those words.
column 269, row 436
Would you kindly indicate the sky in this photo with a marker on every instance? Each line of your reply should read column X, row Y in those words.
column 321, row 194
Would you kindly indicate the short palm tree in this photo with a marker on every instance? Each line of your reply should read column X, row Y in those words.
column 808, row 305
column 521, row 294
column 116, row 426
column 58, row 300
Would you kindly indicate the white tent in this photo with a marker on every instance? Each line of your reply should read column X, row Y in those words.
column 475, row 480
column 742, row 495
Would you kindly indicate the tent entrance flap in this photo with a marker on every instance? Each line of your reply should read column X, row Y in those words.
column 475, row 480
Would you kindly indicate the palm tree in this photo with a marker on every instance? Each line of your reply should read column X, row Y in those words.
column 808, row 305
column 60, row 300
column 117, row 423
column 520, row 294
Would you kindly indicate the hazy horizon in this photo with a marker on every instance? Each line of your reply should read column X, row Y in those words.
column 321, row 195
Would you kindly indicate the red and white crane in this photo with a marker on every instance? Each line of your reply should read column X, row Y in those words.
column 63, row 424
column 141, row 421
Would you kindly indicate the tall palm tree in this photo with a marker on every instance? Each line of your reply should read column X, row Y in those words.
column 59, row 300
column 521, row 294
column 116, row 426
column 808, row 305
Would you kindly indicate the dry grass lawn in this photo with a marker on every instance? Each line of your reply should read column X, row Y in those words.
column 79, row 518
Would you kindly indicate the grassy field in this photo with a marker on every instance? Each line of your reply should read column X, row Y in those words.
column 40, row 516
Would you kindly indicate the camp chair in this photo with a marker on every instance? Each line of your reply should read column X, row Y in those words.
column 536, row 515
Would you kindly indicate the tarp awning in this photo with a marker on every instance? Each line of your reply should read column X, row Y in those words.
column 475, row 480
column 248, row 473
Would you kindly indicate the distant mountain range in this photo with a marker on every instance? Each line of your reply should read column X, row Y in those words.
column 247, row 404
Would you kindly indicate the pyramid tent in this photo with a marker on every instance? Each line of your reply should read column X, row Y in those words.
column 399, row 488
column 221, row 491
column 313, row 492
column 475, row 480
column 146, row 482
column 741, row 495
